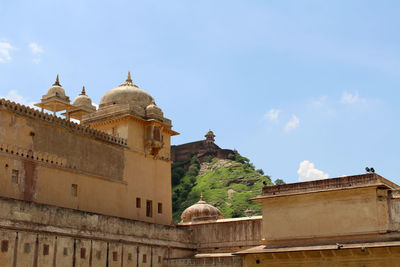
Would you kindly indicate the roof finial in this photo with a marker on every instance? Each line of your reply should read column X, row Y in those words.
column 201, row 196
column 57, row 81
column 129, row 79
column 83, row 91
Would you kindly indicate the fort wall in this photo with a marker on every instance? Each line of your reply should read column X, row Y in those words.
column 203, row 149
column 32, row 234
column 52, row 161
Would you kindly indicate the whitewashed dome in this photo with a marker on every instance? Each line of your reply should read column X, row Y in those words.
column 127, row 93
column 201, row 211
column 82, row 99
column 56, row 90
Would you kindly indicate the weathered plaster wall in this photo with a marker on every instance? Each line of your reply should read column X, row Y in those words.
column 43, row 235
column 370, row 257
column 51, row 156
column 321, row 215
column 394, row 209
column 27, row 249
column 78, row 151
column 227, row 236
column 233, row 261
column 44, row 217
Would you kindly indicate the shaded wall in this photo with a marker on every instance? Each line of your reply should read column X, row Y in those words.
column 73, row 146
column 222, row 261
column 50, row 160
column 226, row 236
column 370, row 257
column 41, row 235
column 322, row 215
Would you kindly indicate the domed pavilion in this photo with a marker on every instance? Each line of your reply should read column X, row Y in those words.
column 200, row 212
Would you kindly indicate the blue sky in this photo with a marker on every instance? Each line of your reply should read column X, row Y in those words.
column 305, row 89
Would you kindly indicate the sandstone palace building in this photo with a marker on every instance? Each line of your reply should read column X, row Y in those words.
column 97, row 192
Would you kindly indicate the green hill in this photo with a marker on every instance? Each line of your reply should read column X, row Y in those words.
column 228, row 184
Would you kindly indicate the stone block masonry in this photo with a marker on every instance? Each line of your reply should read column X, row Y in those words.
column 36, row 235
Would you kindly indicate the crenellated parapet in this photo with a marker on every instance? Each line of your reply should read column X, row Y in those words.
column 39, row 115
column 33, row 155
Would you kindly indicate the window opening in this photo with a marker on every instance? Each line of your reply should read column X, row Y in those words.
column 14, row 176
column 149, row 208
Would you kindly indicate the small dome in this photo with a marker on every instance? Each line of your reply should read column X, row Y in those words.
column 201, row 211
column 56, row 90
column 210, row 136
column 127, row 93
column 153, row 110
column 82, row 99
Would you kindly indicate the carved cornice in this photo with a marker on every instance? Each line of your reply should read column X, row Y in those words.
column 51, row 119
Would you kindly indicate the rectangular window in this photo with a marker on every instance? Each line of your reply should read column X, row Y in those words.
column 83, row 253
column 159, row 259
column 4, row 245
column 115, row 256
column 129, row 256
column 144, row 258
column 46, row 249
column 98, row 254
column 14, row 176
column 159, row 208
column 65, row 252
column 149, row 208
column 74, row 190
column 157, row 133
column 27, row 248
column 138, row 203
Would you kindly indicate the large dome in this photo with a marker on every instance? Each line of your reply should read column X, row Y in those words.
column 127, row 93
column 200, row 211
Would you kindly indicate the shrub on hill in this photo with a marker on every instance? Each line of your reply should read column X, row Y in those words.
column 226, row 184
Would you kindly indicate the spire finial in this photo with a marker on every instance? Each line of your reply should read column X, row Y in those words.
column 83, row 91
column 201, row 196
column 57, row 81
column 129, row 79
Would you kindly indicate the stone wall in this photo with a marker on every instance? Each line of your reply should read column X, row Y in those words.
column 216, row 260
column 26, row 249
column 203, row 149
column 394, row 209
column 41, row 136
column 226, row 235
column 53, row 161
column 33, row 234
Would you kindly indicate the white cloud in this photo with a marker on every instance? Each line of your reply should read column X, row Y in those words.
column 320, row 101
column 292, row 124
column 36, row 50
column 349, row 98
column 308, row 172
column 14, row 96
column 5, row 49
column 272, row 114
